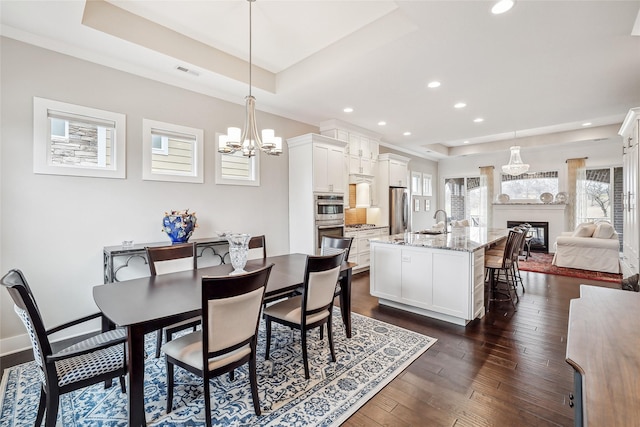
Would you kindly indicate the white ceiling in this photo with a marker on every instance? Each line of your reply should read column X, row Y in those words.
column 544, row 66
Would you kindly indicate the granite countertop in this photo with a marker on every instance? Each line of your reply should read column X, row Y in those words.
column 467, row 239
column 377, row 227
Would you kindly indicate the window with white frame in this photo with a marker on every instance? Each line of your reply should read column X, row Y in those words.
column 529, row 186
column 76, row 140
column 237, row 169
column 172, row 152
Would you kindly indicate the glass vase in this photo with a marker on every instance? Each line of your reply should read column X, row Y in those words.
column 238, row 251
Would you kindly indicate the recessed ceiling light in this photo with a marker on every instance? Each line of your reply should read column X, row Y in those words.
column 478, row 120
column 465, row 142
column 587, row 124
column 502, row 6
column 382, row 123
column 460, row 105
column 434, row 84
column 348, row 110
column 407, row 133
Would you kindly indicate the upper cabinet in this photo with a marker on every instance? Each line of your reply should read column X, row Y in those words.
column 362, row 146
column 393, row 170
column 319, row 162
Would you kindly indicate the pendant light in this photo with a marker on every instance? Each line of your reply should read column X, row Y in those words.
column 248, row 140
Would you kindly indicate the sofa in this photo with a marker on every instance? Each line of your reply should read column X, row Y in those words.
column 591, row 246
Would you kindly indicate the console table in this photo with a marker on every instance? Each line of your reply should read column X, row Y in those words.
column 218, row 247
column 603, row 347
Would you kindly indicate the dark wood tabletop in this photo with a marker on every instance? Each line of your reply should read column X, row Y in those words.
column 149, row 303
column 603, row 345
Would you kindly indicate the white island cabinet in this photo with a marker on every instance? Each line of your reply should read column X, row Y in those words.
column 435, row 276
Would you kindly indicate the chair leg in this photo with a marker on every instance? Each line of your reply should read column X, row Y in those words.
column 305, row 361
column 253, row 379
column 268, row 344
column 52, row 408
column 232, row 375
column 169, row 386
column 207, row 401
column 321, row 332
column 42, row 404
column 123, row 386
column 330, row 336
column 158, row 342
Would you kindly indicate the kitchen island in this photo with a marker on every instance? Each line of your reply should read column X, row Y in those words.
column 435, row 275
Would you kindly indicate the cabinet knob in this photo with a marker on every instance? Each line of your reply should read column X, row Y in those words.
column 571, row 396
column 571, row 404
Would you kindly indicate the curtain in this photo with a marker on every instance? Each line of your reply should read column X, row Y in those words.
column 576, row 177
column 486, row 196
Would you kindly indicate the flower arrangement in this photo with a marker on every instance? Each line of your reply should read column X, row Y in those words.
column 179, row 225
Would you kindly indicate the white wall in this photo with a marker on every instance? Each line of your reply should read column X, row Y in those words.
column 53, row 228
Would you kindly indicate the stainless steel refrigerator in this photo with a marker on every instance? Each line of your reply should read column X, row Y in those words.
column 398, row 210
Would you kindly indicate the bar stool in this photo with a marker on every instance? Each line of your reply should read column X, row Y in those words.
column 497, row 265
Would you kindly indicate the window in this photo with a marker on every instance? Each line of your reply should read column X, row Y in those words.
column 599, row 190
column 236, row 169
column 172, row 152
column 529, row 186
column 75, row 140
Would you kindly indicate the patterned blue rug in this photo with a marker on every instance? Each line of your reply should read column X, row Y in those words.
column 376, row 353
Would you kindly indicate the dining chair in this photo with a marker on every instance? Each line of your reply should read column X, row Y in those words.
column 171, row 259
column 330, row 245
column 258, row 242
column 231, row 312
column 312, row 309
column 90, row 361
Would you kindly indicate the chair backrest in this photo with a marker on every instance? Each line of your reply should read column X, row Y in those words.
column 26, row 308
column 320, row 278
column 172, row 258
column 231, row 310
column 257, row 242
column 511, row 247
column 332, row 245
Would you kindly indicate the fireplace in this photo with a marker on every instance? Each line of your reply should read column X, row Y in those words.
column 539, row 233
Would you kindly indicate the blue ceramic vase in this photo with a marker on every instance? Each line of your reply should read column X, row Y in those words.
column 179, row 227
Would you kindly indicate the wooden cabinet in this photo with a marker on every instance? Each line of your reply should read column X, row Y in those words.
column 439, row 283
column 630, row 132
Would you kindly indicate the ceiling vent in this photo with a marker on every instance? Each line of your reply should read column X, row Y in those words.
column 186, row 70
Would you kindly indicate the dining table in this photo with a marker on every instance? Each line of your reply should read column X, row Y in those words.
column 147, row 304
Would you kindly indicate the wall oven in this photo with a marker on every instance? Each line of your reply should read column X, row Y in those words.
column 329, row 207
column 329, row 216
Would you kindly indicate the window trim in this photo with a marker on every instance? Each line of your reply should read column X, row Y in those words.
column 254, row 163
column 148, row 174
column 42, row 140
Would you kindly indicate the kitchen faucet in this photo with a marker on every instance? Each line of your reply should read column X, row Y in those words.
column 435, row 216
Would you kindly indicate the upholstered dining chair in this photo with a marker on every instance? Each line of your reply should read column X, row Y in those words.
column 331, row 245
column 312, row 309
column 258, row 242
column 231, row 312
column 93, row 360
column 171, row 259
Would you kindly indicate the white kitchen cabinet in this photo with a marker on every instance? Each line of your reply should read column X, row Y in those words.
column 360, row 253
column 439, row 283
column 392, row 172
column 362, row 149
column 630, row 132
column 328, row 168
column 316, row 164
column 397, row 173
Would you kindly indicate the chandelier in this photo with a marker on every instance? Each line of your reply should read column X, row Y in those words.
column 248, row 139
column 515, row 166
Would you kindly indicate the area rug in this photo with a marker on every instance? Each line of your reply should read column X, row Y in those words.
column 541, row 263
column 376, row 353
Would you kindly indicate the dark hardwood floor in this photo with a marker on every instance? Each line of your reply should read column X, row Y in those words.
column 507, row 369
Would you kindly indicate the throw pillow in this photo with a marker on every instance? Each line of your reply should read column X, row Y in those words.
column 604, row 230
column 585, row 229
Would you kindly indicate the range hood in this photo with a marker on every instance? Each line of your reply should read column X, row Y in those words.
column 363, row 189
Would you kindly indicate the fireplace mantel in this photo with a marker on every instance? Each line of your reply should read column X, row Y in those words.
column 553, row 213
